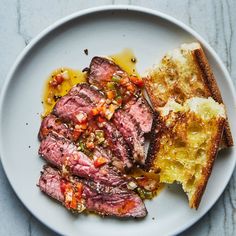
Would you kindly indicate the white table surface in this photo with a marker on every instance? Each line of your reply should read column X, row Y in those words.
column 22, row 20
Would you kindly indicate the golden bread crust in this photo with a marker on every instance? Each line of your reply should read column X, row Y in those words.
column 210, row 82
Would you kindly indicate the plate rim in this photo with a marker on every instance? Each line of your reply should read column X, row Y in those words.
column 106, row 8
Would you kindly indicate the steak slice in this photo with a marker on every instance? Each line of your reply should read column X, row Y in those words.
column 69, row 107
column 132, row 134
column 63, row 154
column 91, row 196
column 52, row 124
column 113, row 201
column 101, row 71
column 50, row 183
column 141, row 112
column 86, row 90
column 117, row 144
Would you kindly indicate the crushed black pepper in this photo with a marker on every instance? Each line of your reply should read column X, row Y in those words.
column 86, row 69
column 26, row 123
column 56, row 97
column 86, row 51
column 133, row 59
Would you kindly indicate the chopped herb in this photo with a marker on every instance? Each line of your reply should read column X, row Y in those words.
column 144, row 194
column 99, row 135
column 116, row 79
column 111, row 85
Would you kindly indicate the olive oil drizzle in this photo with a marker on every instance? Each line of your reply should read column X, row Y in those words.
column 52, row 93
column 126, row 60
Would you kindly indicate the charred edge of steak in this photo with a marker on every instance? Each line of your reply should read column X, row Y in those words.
column 97, row 198
column 51, row 123
column 101, row 66
column 99, row 61
column 154, row 141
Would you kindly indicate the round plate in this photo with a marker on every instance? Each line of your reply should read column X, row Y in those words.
column 103, row 31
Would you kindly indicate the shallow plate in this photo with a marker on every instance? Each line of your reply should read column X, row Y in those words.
column 103, row 31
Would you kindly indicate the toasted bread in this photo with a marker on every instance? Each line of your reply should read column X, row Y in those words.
column 186, row 144
column 182, row 74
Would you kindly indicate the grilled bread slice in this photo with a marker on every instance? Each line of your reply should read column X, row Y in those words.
column 182, row 74
column 186, row 144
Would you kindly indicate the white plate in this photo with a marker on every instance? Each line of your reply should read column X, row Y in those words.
column 103, row 31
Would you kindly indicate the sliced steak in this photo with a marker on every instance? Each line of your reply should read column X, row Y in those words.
column 50, row 183
column 113, row 201
column 63, row 154
column 132, row 134
column 82, row 98
column 101, row 71
column 88, row 91
column 52, row 124
column 69, row 107
column 117, row 144
column 141, row 112
column 101, row 151
column 77, row 194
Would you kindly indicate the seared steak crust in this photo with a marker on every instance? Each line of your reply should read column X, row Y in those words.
column 101, row 71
